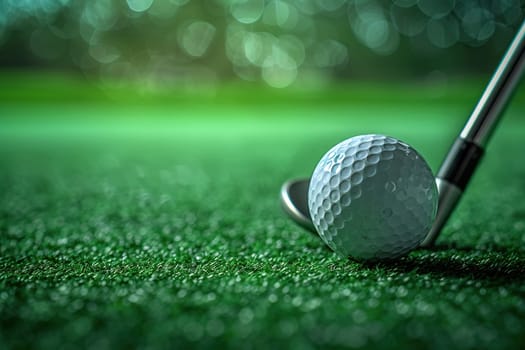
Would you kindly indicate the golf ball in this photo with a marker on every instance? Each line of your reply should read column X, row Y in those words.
column 372, row 197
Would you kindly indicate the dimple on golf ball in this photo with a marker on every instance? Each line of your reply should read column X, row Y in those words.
column 372, row 197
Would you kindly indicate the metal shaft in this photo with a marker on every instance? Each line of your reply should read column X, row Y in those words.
column 467, row 150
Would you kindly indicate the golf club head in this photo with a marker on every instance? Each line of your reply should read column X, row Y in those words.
column 294, row 200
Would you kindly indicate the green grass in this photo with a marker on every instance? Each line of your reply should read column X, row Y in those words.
column 158, row 225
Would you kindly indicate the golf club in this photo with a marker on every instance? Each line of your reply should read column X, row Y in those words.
column 462, row 158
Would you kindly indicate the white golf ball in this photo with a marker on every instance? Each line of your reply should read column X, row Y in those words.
column 372, row 197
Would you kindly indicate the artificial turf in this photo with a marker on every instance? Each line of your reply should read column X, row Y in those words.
column 157, row 225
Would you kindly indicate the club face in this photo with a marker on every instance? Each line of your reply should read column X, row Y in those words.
column 294, row 199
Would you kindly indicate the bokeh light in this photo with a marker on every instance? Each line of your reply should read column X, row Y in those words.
column 139, row 5
column 196, row 37
column 277, row 42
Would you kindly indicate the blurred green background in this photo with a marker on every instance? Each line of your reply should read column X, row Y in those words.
column 281, row 43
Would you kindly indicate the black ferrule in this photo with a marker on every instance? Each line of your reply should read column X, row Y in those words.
column 460, row 163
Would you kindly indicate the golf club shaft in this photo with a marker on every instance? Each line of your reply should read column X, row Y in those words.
column 467, row 150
